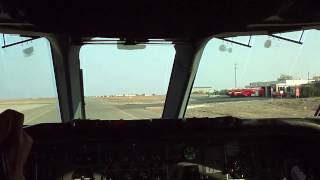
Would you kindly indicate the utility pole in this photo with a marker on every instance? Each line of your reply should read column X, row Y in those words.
column 4, row 39
column 308, row 77
column 235, row 75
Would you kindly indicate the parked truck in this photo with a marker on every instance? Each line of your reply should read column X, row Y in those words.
column 247, row 92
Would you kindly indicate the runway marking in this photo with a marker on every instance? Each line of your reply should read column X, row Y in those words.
column 117, row 109
column 38, row 115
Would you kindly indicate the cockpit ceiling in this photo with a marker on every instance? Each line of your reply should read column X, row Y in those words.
column 157, row 19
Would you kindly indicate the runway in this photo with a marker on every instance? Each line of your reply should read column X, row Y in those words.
column 47, row 110
column 101, row 109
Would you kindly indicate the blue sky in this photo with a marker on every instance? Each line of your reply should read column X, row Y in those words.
column 108, row 70
column 26, row 77
column 259, row 63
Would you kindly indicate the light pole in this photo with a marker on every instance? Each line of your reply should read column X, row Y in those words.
column 235, row 75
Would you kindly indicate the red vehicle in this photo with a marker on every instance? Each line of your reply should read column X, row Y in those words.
column 247, row 92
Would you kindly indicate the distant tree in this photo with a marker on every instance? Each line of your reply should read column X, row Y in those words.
column 196, row 92
column 310, row 90
column 316, row 78
column 284, row 77
column 223, row 92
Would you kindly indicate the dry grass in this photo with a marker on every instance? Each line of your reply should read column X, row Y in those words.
column 24, row 105
column 136, row 99
column 29, row 101
column 267, row 108
column 276, row 108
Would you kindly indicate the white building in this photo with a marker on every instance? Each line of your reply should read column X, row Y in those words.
column 291, row 84
column 274, row 87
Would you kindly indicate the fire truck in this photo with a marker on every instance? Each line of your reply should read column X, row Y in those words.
column 247, row 92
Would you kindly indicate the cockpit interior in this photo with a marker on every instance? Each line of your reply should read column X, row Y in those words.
column 160, row 90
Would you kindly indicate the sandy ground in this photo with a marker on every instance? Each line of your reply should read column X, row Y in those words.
column 268, row 108
column 135, row 99
column 245, row 108
column 140, row 107
column 26, row 104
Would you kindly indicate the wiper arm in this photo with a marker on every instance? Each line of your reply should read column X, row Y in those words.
column 317, row 113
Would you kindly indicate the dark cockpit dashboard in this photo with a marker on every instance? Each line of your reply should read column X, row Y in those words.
column 220, row 148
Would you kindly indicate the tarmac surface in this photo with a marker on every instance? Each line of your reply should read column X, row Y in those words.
column 101, row 109
column 47, row 110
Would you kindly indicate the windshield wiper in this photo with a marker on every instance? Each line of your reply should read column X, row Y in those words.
column 317, row 113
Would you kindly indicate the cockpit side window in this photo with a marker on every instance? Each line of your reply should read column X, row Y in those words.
column 27, row 81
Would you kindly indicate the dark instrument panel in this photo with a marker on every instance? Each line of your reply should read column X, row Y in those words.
column 173, row 149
